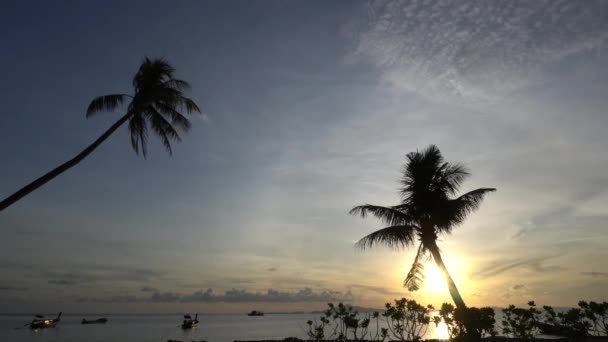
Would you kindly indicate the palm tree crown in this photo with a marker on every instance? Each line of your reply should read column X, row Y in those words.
column 428, row 208
column 158, row 103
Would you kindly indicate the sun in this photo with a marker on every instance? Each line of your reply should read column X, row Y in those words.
column 433, row 278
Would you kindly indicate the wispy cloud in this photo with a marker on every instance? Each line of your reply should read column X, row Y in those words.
column 475, row 49
column 520, row 233
column 99, row 273
column 377, row 289
column 533, row 264
column 596, row 274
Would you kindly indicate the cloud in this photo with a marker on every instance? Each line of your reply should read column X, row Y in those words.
column 12, row 288
column 475, row 49
column 231, row 296
column 272, row 269
column 378, row 289
column 520, row 233
column 303, row 295
column 68, row 279
column 65, row 282
column 533, row 264
column 240, row 281
column 148, row 289
column 100, row 273
column 506, row 296
column 596, row 274
column 164, row 297
column 518, row 287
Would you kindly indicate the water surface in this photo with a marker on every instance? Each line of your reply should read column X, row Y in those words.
column 160, row 328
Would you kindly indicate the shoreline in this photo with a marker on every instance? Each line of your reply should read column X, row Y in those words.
column 488, row 339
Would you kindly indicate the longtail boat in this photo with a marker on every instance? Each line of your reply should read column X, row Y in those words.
column 40, row 323
column 102, row 320
column 190, row 323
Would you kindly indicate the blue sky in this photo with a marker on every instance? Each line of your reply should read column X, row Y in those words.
column 309, row 108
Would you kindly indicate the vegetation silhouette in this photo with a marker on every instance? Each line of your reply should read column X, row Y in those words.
column 408, row 320
column 158, row 102
column 427, row 210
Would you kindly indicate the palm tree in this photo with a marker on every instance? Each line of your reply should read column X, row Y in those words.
column 427, row 210
column 158, row 102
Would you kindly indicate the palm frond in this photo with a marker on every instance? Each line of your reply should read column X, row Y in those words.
column 190, row 105
column 176, row 117
column 176, row 84
column 138, row 130
column 415, row 277
column 388, row 215
column 450, row 178
column 162, row 135
column 106, row 103
column 393, row 237
column 175, row 99
column 143, row 139
column 459, row 208
column 164, row 130
column 472, row 199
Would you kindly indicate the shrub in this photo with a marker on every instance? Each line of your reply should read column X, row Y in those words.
column 597, row 314
column 572, row 323
column 407, row 320
column 467, row 324
column 520, row 322
column 316, row 330
column 574, row 320
column 341, row 323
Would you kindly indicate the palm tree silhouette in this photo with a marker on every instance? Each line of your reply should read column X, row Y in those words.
column 426, row 211
column 158, row 103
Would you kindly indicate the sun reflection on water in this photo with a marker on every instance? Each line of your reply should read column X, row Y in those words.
column 441, row 331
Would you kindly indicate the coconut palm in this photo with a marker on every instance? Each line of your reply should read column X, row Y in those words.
column 157, row 103
column 427, row 210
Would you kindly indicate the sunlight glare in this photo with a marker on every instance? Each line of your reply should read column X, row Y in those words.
column 433, row 278
column 441, row 331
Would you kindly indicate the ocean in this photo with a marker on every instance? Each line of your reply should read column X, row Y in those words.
column 160, row 328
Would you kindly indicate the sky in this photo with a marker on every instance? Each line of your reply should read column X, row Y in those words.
column 309, row 108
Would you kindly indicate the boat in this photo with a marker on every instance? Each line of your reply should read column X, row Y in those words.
column 102, row 320
column 40, row 323
column 190, row 323
column 255, row 313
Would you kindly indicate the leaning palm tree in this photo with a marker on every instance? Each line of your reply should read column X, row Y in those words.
column 158, row 102
column 428, row 209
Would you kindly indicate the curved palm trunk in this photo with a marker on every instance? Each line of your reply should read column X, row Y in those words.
column 63, row 167
column 451, row 285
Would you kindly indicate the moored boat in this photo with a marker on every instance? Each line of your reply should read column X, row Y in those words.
column 102, row 320
column 40, row 323
column 190, row 323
